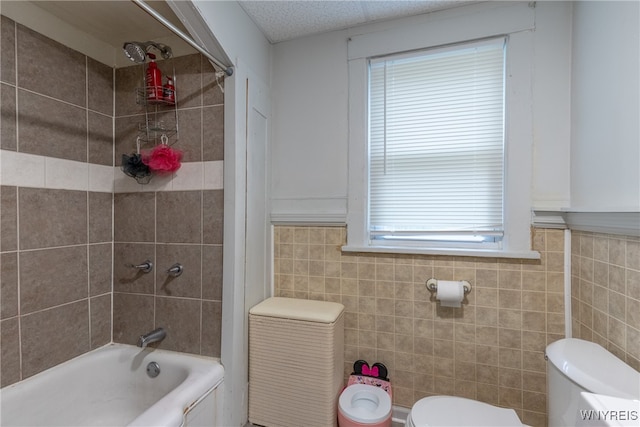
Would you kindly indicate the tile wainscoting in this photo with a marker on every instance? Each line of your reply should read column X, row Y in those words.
column 605, row 292
column 491, row 349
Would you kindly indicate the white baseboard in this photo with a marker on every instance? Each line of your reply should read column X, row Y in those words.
column 399, row 414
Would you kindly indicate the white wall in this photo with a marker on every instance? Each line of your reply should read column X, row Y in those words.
column 310, row 105
column 552, row 106
column 309, row 136
column 237, row 35
column 224, row 26
column 605, row 119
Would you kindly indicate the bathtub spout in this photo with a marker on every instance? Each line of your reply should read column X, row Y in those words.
column 153, row 336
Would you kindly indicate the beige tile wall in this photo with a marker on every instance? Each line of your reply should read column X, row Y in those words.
column 55, row 277
column 55, row 245
column 200, row 109
column 171, row 227
column 492, row 349
column 63, row 99
column 605, row 297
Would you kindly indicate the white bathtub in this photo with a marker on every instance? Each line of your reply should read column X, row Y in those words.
column 110, row 387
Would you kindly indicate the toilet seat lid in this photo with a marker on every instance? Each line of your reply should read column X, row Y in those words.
column 365, row 404
column 458, row 411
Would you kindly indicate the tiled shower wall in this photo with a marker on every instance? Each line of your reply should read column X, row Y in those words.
column 55, row 244
column 59, row 248
column 492, row 349
column 605, row 292
column 169, row 227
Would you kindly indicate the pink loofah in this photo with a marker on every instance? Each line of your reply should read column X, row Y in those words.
column 163, row 159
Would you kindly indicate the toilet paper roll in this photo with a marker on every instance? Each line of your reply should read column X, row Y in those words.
column 450, row 293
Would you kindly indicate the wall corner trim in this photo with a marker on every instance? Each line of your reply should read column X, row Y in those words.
column 623, row 223
column 543, row 218
column 309, row 211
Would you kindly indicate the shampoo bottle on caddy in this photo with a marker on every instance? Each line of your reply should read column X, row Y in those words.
column 169, row 92
column 154, row 80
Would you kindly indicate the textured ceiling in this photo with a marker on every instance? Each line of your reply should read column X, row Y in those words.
column 117, row 20
column 285, row 20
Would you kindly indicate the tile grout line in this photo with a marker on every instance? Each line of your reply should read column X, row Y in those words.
column 18, row 245
column 88, row 213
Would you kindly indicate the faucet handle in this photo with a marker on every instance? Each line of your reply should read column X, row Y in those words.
column 175, row 270
column 145, row 267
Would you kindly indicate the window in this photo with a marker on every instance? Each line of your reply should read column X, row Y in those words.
column 436, row 146
column 491, row 216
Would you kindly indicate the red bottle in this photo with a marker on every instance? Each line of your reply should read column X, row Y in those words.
column 169, row 92
column 154, row 80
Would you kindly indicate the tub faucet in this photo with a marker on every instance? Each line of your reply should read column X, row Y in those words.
column 153, row 336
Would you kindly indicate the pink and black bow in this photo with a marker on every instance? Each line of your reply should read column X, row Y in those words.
column 377, row 370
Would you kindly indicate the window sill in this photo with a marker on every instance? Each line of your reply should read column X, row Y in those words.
column 485, row 253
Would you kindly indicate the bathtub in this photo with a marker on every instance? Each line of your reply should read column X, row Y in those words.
column 110, row 386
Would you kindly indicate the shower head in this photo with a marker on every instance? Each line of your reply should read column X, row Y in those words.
column 137, row 51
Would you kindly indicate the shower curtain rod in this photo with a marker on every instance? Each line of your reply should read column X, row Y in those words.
column 164, row 21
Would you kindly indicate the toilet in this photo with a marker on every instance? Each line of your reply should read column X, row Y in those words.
column 576, row 366
column 444, row 411
column 366, row 400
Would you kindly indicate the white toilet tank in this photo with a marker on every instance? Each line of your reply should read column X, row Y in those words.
column 575, row 365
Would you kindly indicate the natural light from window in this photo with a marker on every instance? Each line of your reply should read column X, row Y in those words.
column 436, row 146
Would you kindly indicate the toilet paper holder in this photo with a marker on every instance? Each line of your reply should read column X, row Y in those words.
column 432, row 285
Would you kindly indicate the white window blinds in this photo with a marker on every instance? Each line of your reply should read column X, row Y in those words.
column 436, row 144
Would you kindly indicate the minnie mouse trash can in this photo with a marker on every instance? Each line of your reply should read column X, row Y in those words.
column 366, row 401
